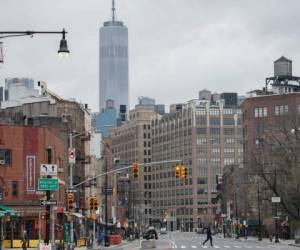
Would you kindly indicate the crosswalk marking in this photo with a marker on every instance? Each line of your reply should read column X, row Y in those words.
column 204, row 246
column 183, row 246
column 227, row 246
column 237, row 246
column 216, row 247
column 194, row 247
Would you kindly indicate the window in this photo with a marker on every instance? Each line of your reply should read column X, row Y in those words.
column 228, row 151
column 214, row 121
column 228, row 131
column 228, row 121
column 201, row 111
column 215, row 151
column 14, row 188
column 202, row 161
column 215, row 131
column 201, row 141
column 5, row 157
column 215, row 161
column 202, row 180
column 228, row 111
column 260, row 128
column 228, row 161
column 215, row 141
column 201, row 120
column 201, row 131
column 281, row 109
column 214, row 111
column 202, row 151
column 202, row 191
column 229, row 141
column 261, row 112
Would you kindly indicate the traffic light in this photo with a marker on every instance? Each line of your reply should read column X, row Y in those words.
column 178, row 171
column 183, row 172
column 93, row 203
column 70, row 201
column 135, row 170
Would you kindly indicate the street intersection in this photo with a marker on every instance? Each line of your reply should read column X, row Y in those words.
column 191, row 241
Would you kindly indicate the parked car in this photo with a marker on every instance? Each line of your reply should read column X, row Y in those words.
column 150, row 234
column 200, row 230
column 163, row 230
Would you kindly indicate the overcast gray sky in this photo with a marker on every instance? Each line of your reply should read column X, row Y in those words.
column 176, row 47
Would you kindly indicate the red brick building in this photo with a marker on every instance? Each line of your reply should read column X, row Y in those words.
column 22, row 150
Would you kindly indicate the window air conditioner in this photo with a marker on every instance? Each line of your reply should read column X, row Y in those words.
column 2, row 162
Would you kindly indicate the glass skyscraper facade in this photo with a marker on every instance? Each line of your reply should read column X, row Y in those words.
column 114, row 64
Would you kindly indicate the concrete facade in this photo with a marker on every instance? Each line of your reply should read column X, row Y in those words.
column 131, row 143
column 207, row 136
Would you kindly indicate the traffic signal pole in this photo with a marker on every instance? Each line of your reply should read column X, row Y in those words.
column 120, row 169
column 71, row 187
column 48, row 207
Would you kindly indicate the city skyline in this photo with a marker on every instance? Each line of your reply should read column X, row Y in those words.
column 173, row 44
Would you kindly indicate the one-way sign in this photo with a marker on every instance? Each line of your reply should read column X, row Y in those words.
column 45, row 203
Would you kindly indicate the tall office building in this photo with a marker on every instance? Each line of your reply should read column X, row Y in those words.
column 113, row 63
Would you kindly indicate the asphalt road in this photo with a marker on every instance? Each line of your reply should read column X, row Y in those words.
column 192, row 241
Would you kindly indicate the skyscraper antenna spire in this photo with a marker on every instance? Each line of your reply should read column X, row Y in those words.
column 113, row 11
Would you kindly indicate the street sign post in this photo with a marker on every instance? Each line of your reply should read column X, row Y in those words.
column 108, row 191
column 276, row 200
column 50, row 202
column 71, row 190
column 48, row 169
column 48, row 184
column 72, row 157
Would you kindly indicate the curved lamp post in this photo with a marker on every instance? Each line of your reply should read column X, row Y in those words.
column 63, row 50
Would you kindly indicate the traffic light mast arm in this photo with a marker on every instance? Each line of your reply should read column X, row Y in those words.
column 123, row 168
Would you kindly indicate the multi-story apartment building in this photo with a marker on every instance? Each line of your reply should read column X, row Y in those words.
column 131, row 143
column 206, row 134
column 271, row 122
column 22, row 150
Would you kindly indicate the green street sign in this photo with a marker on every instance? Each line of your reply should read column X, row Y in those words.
column 67, row 235
column 48, row 184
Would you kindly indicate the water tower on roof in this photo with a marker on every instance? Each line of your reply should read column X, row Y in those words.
column 283, row 67
column 283, row 80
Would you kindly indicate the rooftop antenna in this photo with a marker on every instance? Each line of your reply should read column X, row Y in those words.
column 113, row 11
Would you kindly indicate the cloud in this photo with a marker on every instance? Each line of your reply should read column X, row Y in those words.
column 176, row 47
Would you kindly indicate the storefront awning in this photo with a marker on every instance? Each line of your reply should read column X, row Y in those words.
column 6, row 211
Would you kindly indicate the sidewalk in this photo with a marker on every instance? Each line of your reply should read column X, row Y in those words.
column 267, row 240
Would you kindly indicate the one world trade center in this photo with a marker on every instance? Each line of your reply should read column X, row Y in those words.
column 114, row 63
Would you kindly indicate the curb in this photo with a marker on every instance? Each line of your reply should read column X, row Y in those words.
column 294, row 245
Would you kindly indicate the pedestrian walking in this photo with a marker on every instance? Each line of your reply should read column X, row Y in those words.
column 208, row 236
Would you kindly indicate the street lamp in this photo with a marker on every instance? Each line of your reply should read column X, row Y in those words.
column 63, row 50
